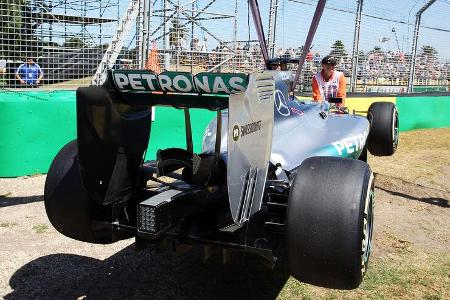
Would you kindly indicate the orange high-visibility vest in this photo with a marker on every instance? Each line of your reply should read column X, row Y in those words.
column 335, row 87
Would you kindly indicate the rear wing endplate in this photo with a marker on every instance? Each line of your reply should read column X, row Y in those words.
column 250, row 126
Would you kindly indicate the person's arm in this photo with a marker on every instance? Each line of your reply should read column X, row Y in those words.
column 341, row 93
column 18, row 74
column 316, row 90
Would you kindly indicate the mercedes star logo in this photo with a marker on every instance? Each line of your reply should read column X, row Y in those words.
column 280, row 104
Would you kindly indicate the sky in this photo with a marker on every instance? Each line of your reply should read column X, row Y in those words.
column 379, row 19
column 338, row 23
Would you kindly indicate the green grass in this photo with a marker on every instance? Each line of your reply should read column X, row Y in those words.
column 7, row 224
column 40, row 228
column 404, row 275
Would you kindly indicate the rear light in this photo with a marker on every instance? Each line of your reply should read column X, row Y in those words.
column 154, row 214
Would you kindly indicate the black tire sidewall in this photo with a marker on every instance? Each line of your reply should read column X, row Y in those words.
column 382, row 117
column 324, row 223
column 67, row 204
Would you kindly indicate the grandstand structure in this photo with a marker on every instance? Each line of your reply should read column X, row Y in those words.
column 381, row 48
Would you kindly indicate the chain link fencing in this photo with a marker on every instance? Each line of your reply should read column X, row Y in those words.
column 66, row 38
column 69, row 38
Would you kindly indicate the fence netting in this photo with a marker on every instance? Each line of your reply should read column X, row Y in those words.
column 68, row 40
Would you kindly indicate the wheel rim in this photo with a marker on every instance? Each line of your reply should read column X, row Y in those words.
column 367, row 226
column 395, row 128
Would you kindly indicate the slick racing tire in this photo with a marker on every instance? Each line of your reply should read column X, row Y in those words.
column 383, row 134
column 67, row 204
column 329, row 222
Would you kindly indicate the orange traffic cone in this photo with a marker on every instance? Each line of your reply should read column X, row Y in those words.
column 152, row 63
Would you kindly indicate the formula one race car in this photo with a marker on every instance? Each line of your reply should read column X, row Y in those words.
column 274, row 173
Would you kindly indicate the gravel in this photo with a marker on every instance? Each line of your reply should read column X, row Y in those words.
column 38, row 262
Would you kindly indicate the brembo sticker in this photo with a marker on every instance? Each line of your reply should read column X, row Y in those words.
column 351, row 144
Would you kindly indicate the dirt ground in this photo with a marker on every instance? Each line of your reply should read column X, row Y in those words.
column 411, row 255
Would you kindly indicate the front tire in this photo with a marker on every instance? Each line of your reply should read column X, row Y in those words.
column 330, row 221
column 384, row 128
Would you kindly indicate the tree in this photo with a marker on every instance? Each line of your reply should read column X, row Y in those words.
column 177, row 32
column 429, row 51
column 376, row 49
column 17, row 30
column 11, row 23
column 338, row 49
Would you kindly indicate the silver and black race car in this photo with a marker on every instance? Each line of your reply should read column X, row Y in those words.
column 276, row 176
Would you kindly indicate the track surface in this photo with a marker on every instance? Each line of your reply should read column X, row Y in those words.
column 412, row 210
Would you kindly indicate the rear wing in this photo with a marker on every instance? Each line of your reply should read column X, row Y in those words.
column 177, row 89
column 114, row 124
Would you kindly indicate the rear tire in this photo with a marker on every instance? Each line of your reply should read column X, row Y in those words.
column 383, row 134
column 67, row 204
column 329, row 222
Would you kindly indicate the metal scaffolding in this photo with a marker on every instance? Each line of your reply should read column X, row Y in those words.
column 175, row 26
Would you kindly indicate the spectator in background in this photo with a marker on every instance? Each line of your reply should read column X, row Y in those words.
column 195, row 44
column 204, row 45
column 280, row 52
column 29, row 73
column 328, row 82
column 317, row 58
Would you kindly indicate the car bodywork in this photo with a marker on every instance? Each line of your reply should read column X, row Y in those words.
column 236, row 194
column 274, row 135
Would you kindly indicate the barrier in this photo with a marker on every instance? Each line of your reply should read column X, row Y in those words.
column 34, row 125
column 418, row 112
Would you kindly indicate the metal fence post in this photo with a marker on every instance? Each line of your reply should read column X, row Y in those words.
column 414, row 45
column 166, row 37
column 356, row 47
column 146, row 4
column 273, row 12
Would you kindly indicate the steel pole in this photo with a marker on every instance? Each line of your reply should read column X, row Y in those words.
column 273, row 12
column 254, row 7
column 166, row 42
column 312, row 31
column 145, row 26
column 235, row 24
column 414, row 45
column 192, row 35
column 355, row 53
column 139, row 33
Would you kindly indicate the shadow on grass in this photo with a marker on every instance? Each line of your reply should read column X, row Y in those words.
column 430, row 200
column 147, row 275
column 6, row 201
